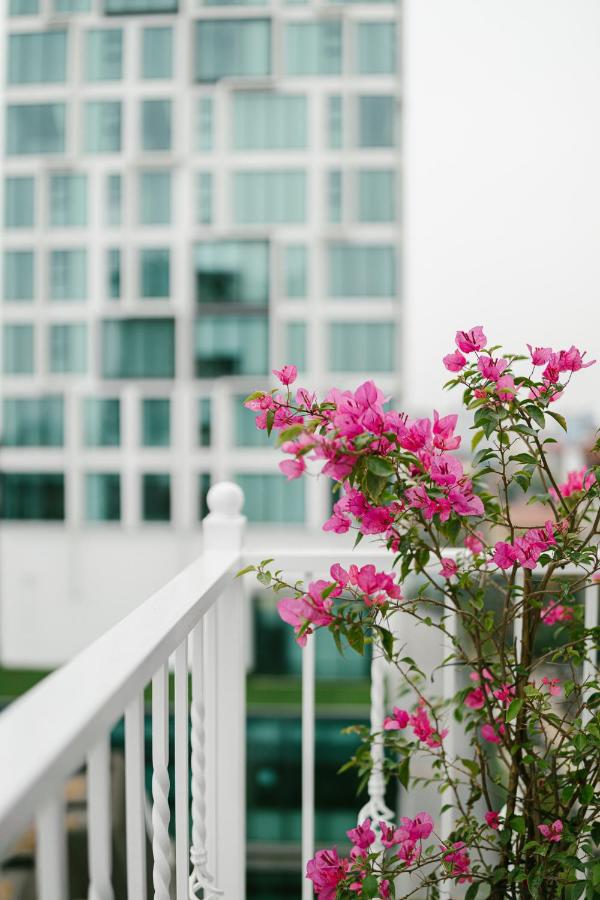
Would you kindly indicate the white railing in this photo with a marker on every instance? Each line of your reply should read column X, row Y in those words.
column 197, row 624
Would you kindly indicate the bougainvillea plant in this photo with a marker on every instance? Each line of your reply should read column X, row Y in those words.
column 522, row 779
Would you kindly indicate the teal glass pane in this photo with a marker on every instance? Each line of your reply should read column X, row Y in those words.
column 68, row 200
column 32, row 496
column 362, row 270
column 35, row 128
column 156, row 497
column 335, row 121
column 231, row 345
column 156, row 422
column 138, row 348
column 102, row 126
column 361, row 346
column 32, row 422
column 122, row 7
column 156, row 125
column 376, row 48
column 296, row 271
column 295, row 342
column 157, row 52
column 155, row 273
column 23, row 7
column 204, row 422
column 205, row 198
column 72, row 6
column 204, row 481
column 376, row 196
column 246, row 434
column 101, row 422
column 313, row 48
column 272, row 499
column 269, row 198
column 113, row 273
column 334, row 196
column 114, row 191
column 263, row 120
column 67, row 350
column 235, row 272
column 68, row 274
column 204, row 124
column 18, row 275
column 19, row 202
column 104, row 54
column 228, row 47
column 155, row 198
column 17, row 349
column 376, row 121
column 38, row 57
column 102, row 497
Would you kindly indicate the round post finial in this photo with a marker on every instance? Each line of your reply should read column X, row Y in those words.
column 225, row 499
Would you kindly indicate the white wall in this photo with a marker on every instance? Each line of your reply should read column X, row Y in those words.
column 502, row 138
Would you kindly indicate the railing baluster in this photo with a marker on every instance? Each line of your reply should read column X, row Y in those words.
column 51, row 851
column 182, row 812
column 591, row 599
column 161, row 843
column 135, row 799
column 375, row 808
column 308, row 758
column 99, row 822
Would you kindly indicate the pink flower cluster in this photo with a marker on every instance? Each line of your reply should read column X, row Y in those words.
column 525, row 551
column 326, row 870
column 376, row 587
column 420, row 723
column 576, row 482
column 553, row 613
column 457, row 858
column 553, row 832
column 476, row 699
column 408, row 837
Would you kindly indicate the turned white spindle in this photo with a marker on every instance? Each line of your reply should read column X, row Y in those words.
column 161, row 842
column 375, row 808
column 99, row 822
column 308, row 758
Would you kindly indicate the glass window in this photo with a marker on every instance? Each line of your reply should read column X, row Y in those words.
column 296, row 271
column 72, row 6
column 23, row 7
column 204, row 422
column 204, row 136
column 102, row 496
column 68, row 274
column 68, row 200
column 101, row 422
column 156, row 125
column 205, row 198
column 361, row 346
column 157, row 52
column 334, row 196
column 262, row 198
column 155, row 276
column 17, row 349
column 362, row 270
column 35, row 128
column 155, row 198
column 113, row 199
column 18, row 274
column 376, row 196
column 19, row 202
column 204, row 480
column 139, row 6
column 113, row 273
column 295, row 342
column 102, row 126
column 156, row 497
column 104, row 54
column 38, row 57
column 313, row 48
column 138, row 348
column 335, row 121
column 271, row 498
column 246, row 434
column 156, row 422
column 231, row 345
column 376, row 121
column 32, row 422
column 68, row 348
column 32, row 496
column 232, row 47
column 268, row 121
column 376, row 48
column 235, row 272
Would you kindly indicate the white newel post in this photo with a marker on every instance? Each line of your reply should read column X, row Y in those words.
column 225, row 703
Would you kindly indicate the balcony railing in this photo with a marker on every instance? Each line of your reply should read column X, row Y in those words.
column 195, row 626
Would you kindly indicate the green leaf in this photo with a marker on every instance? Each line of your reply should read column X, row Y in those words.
column 288, row 434
column 376, row 484
column 404, row 772
column 586, row 794
column 476, row 439
column 270, row 421
column 370, row 887
column 513, row 710
column 245, row 571
column 525, row 458
column 471, row 765
column 558, row 418
column 517, row 823
column 537, row 415
column 380, row 466
column 574, row 891
column 472, row 892
column 254, row 396
column 387, row 641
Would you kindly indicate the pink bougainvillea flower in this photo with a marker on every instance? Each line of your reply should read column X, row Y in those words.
column 475, row 699
column 397, row 721
column 505, row 555
column 552, row 833
column 492, row 819
column 417, row 829
column 459, row 862
column 505, row 694
column 540, row 355
column 578, row 480
column 287, row 374
column 491, row 734
column 505, row 387
column 363, row 835
column 443, row 432
column 449, row 568
column 326, row 870
column 471, row 341
column 338, row 524
column 454, row 362
column 390, row 836
column 376, row 520
column 339, row 574
column 474, row 676
column 556, row 612
column 463, row 501
column 474, row 542
column 292, row 468
column 423, row 728
column 490, row 368
column 446, row 470
column 571, row 360
column 553, row 685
